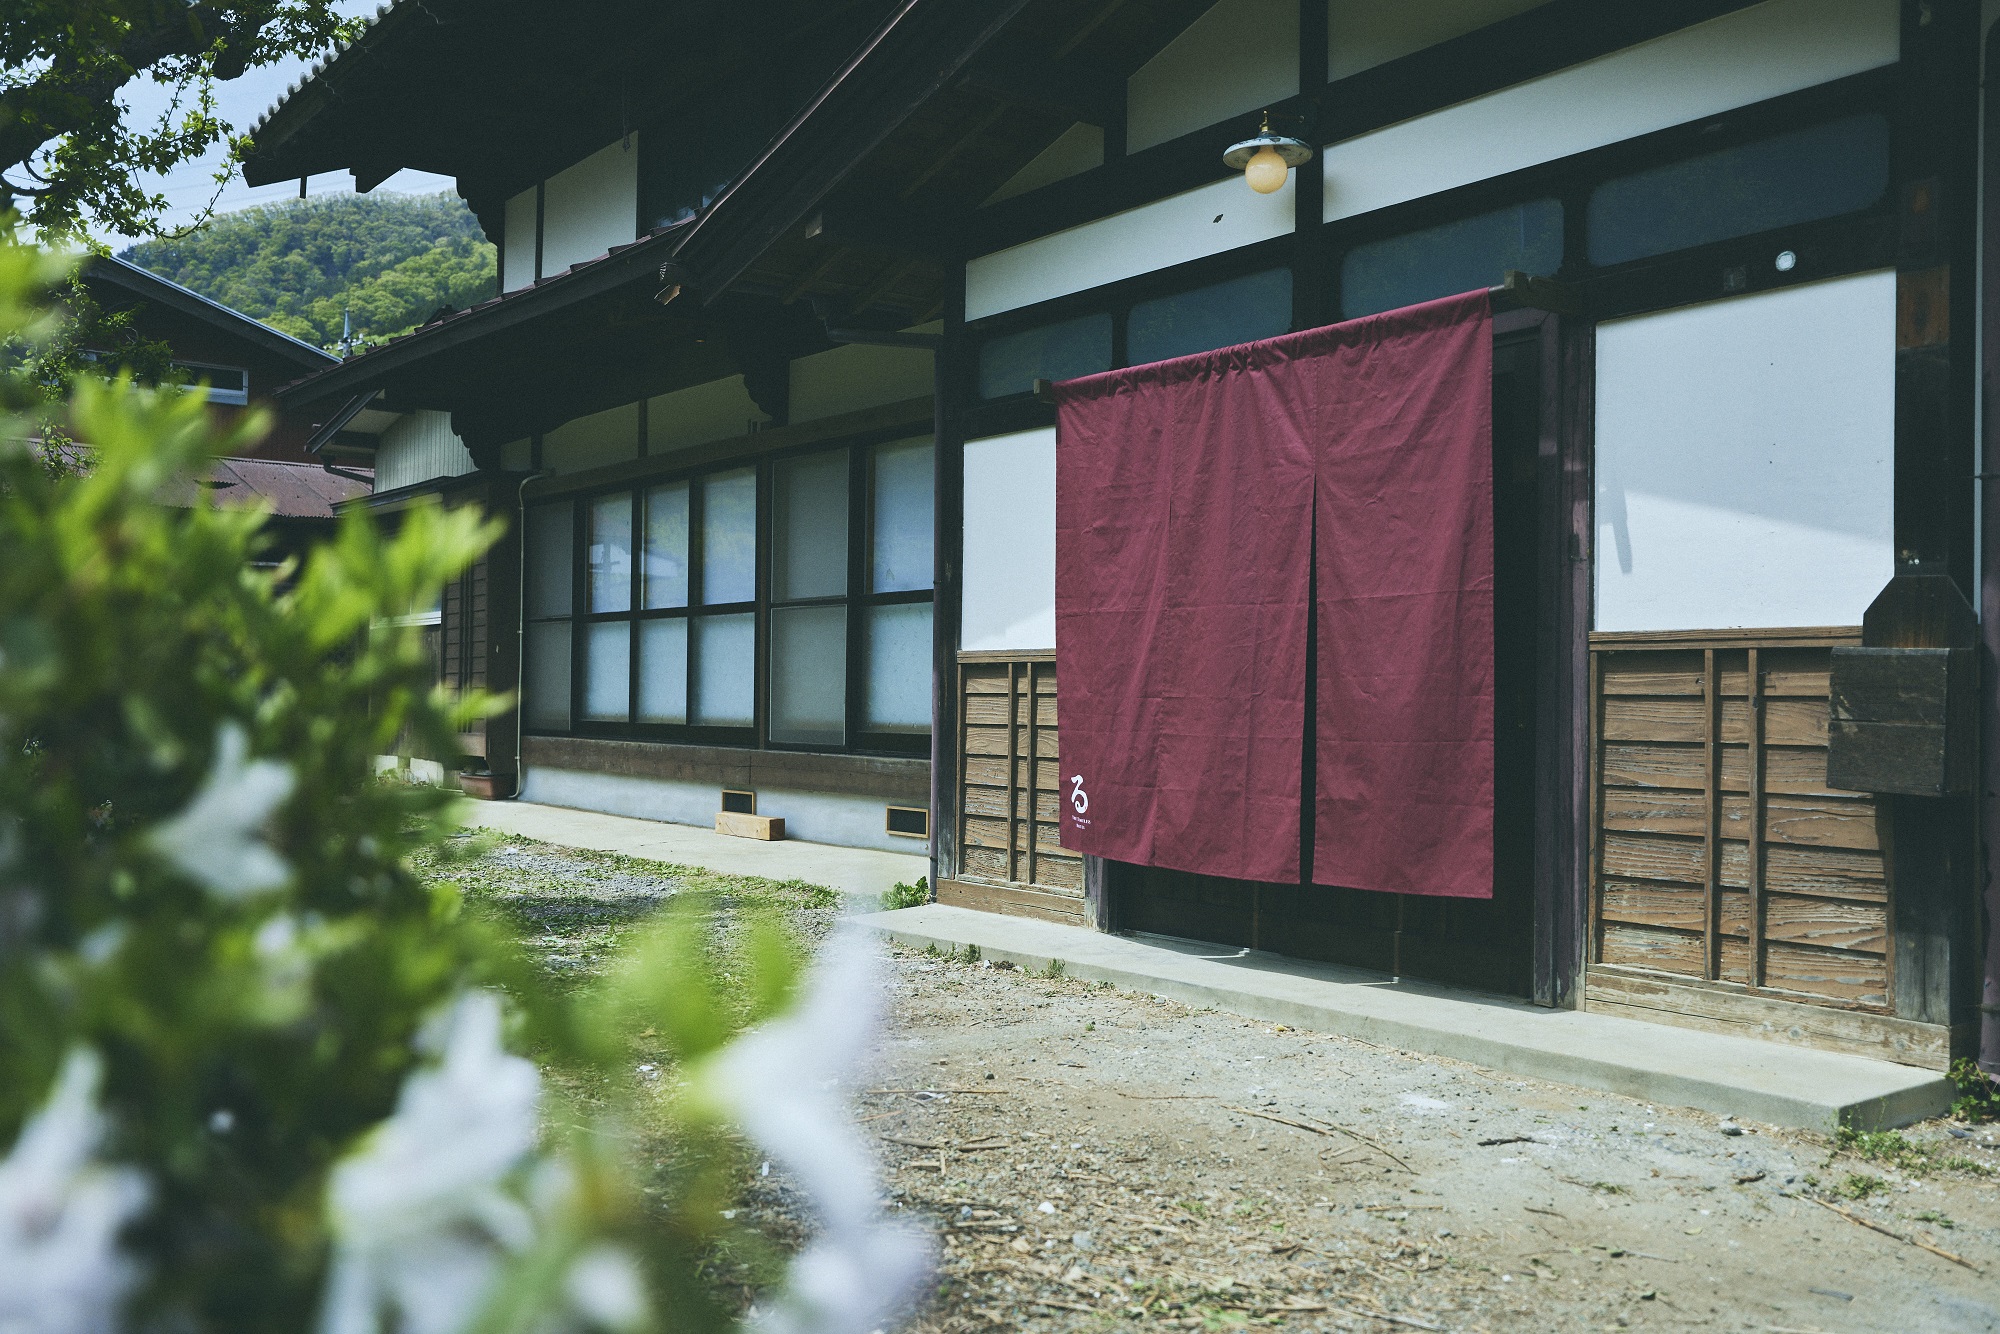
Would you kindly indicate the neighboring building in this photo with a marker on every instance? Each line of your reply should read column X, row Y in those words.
column 242, row 361
column 1744, row 403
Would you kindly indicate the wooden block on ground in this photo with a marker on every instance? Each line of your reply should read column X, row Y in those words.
column 770, row 828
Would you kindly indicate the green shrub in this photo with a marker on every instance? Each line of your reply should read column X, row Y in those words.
column 254, row 1073
column 1978, row 1094
column 901, row 895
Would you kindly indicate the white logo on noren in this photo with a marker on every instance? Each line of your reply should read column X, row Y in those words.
column 1079, row 798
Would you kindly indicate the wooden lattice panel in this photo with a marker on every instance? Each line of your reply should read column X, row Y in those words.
column 1008, row 832
column 1720, row 852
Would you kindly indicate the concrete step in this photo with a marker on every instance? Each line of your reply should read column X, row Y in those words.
column 1733, row 1076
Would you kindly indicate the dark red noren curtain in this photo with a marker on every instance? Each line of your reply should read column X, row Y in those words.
column 1195, row 501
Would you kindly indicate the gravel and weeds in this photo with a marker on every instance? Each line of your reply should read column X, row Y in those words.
column 1093, row 1159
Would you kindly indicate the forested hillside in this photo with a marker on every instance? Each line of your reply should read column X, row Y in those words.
column 388, row 260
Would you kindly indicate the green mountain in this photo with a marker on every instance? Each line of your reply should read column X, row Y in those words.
column 389, row 261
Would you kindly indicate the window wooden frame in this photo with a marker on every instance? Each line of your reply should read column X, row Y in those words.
column 857, row 600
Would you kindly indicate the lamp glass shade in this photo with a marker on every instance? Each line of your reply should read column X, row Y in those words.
column 1266, row 170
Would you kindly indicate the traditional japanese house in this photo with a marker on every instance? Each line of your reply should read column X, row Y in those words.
column 237, row 364
column 780, row 289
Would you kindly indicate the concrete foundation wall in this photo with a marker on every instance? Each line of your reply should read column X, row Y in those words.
column 816, row 817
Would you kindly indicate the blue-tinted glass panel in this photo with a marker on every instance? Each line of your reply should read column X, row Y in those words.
column 904, row 517
column 809, row 526
column 729, row 537
column 610, row 553
column 1241, row 310
column 1460, row 256
column 664, row 567
column 1011, row 363
column 1819, row 172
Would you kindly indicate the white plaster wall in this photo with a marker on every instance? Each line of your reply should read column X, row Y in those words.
column 1008, row 590
column 591, row 206
column 517, row 242
column 814, row 817
column 1361, row 34
column 517, row 455
column 719, row 410
column 419, row 448
column 1776, row 47
column 611, row 436
column 1239, row 56
column 858, row 376
column 1203, row 221
column 1076, row 150
column 1744, row 459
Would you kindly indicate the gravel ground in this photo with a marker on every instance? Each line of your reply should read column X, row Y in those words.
column 1096, row 1159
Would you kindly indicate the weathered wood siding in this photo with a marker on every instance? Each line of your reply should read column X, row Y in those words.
column 1010, row 855
column 1720, row 853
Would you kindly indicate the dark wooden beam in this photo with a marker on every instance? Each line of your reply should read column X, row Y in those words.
column 1071, row 89
column 920, row 51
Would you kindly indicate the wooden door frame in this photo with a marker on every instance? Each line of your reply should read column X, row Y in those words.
column 1564, row 492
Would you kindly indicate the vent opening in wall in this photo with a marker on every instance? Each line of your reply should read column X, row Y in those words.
column 909, row 821
column 739, row 803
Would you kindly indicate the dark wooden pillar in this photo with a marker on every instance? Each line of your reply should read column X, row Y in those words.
column 950, row 380
column 1931, row 846
column 1989, row 586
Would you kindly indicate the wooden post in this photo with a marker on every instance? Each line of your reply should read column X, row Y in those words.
column 1756, row 830
column 1014, row 783
column 1030, row 792
column 1930, row 847
column 1711, row 902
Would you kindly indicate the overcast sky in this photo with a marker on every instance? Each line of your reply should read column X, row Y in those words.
column 242, row 102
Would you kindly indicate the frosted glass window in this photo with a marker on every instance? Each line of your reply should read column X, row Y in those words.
column 547, row 683
column 729, row 537
column 809, row 527
column 550, row 541
column 607, row 671
column 725, row 670
column 905, row 519
column 1460, row 256
column 899, row 668
column 809, row 675
column 1241, row 310
column 1819, row 172
column 664, row 571
column 610, row 553
column 1011, row 363
column 663, row 671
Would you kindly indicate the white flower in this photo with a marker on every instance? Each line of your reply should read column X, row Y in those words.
column 420, row 1213
column 214, row 841
column 60, row 1215
column 780, row 1081
column 605, row 1286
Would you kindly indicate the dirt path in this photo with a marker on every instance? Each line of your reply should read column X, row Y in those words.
column 1097, row 1158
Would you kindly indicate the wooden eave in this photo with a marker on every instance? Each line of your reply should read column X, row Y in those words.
column 832, row 211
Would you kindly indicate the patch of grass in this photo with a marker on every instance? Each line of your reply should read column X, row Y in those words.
column 1932, row 1216
column 1859, row 1186
column 1887, row 1147
column 1053, row 969
column 1978, row 1095
column 970, row 954
column 901, row 895
column 1192, row 1207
